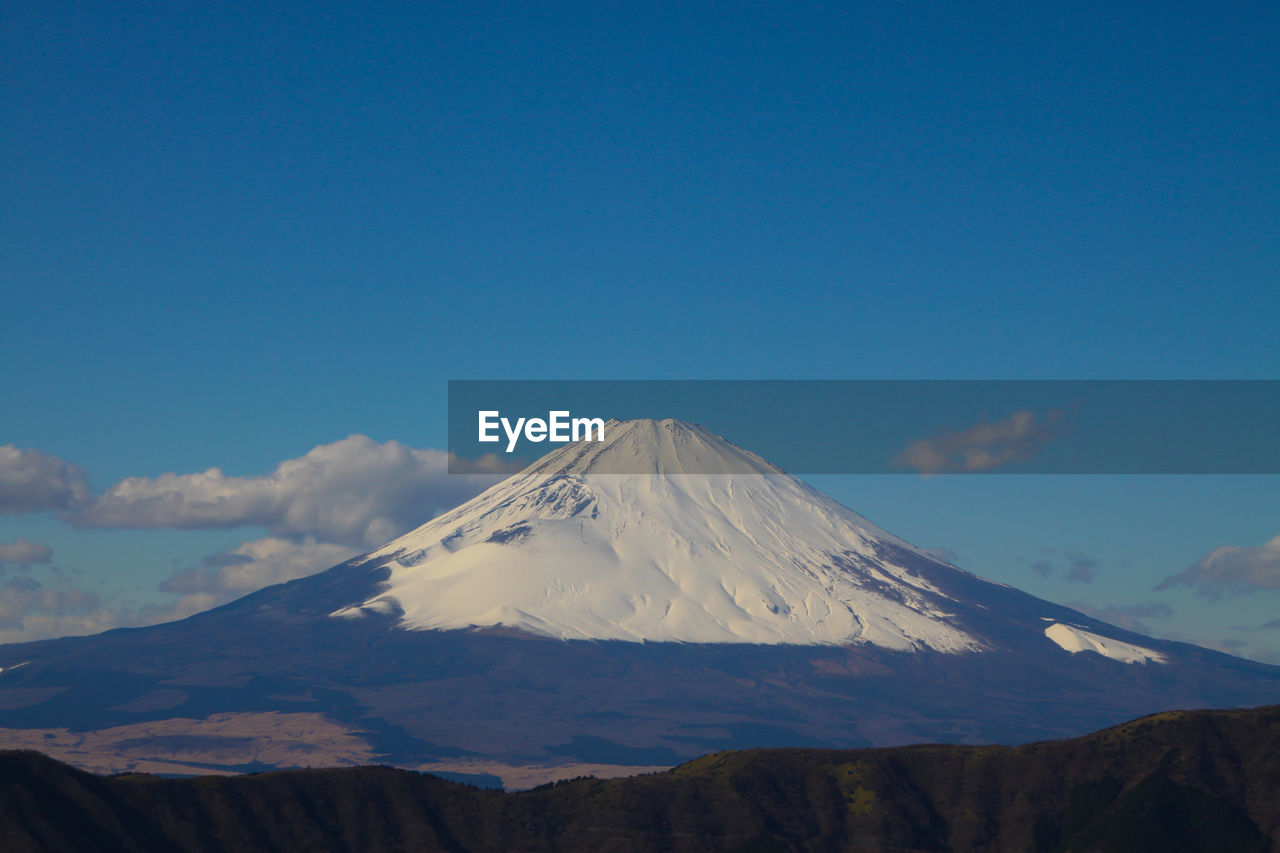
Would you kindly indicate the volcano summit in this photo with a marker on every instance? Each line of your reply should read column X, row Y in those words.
column 748, row 554
column 574, row 616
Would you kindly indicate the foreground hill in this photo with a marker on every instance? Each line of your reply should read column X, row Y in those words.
column 1180, row 781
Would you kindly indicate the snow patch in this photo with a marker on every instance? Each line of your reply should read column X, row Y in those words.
column 1079, row 640
column 381, row 606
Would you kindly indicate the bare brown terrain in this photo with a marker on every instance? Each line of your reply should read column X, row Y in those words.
column 520, row 777
column 216, row 744
column 239, row 742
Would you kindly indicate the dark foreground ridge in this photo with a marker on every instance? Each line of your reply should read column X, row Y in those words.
column 1178, row 781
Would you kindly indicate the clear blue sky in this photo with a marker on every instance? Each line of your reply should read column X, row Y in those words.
column 234, row 233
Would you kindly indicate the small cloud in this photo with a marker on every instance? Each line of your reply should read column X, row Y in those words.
column 1270, row 656
column 490, row 464
column 1231, row 568
column 945, row 555
column 1131, row 617
column 1270, row 626
column 24, row 553
column 1081, row 569
column 1078, row 567
column 983, row 446
column 32, row 481
column 1231, row 646
column 225, row 559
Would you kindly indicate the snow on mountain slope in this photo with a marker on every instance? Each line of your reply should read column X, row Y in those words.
column 719, row 547
column 1075, row 640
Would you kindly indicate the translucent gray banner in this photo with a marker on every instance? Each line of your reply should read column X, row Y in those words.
column 889, row 427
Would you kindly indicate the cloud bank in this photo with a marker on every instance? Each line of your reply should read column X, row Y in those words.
column 320, row 509
column 355, row 492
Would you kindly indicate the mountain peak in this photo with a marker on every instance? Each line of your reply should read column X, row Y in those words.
column 665, row 532
column 663, row 447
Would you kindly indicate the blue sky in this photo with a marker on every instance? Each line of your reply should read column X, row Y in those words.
column 235, row 234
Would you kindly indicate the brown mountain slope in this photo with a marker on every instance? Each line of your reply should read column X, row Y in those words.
column 1205, row 780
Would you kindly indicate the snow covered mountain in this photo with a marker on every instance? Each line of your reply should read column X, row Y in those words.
column 712, row 545
column 744, row 554
column 634, row 602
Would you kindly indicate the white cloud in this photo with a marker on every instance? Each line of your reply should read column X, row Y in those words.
column 1231, row 568
column 25, row 552
column 983, row 446
column 355, row 492
column 32, row 481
